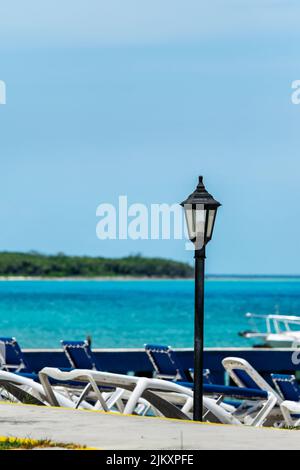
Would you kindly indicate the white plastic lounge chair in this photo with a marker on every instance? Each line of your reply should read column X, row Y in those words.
column 244, row 375
column 140, row 388
column 22, row 389
column 291, row 412
column 17, row 388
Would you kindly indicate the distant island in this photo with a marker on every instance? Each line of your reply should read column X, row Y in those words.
column 37, row 265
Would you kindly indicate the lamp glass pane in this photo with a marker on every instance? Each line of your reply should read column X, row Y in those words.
column 195, row 219
column 200, row 216
column 190, row 221
column 210, row 223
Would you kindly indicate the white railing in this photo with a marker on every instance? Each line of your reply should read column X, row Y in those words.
column 275, row 322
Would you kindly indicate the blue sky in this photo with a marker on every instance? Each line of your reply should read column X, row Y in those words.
column 138, row 98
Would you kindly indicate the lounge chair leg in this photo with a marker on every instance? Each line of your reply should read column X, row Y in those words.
column 136, row 394
column 218, row 401
column 98, row 393
column 188, row 405
column 83, row 394
column 264, row 412
column 48, row 389
column 116, row 399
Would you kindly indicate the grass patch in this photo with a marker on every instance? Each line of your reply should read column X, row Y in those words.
column 291, row 428
column 14, row 443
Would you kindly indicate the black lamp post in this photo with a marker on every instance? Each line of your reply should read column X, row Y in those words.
column 200, row 211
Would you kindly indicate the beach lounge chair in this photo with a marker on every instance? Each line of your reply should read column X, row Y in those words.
column 139, row 388
column 244, row 375
column 288, row 387
column 11, row 356
column 167, row 365
column 79, row 354
column 251, row 406
column 15, row 387
column 18, row 388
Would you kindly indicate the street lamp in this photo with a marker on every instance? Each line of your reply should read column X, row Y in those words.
column 200, row 211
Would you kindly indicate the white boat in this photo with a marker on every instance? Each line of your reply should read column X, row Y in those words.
column 280, row 331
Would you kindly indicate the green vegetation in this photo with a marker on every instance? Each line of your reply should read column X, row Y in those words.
column 38, row 265
column 13, row 443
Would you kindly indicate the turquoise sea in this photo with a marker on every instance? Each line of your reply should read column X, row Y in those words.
column 131, row 313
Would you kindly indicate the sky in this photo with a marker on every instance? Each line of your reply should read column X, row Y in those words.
column 136, row 98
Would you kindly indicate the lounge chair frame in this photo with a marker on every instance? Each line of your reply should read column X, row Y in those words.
column 234, row 364
column 12, row 343
column 140, row 387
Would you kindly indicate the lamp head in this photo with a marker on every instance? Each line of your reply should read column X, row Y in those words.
column 200, row 211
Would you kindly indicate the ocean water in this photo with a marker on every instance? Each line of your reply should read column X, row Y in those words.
column 131, row 313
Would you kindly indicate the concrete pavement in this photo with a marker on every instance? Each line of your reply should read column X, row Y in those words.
column 110, row 431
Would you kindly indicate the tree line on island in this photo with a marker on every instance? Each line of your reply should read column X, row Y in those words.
column 35, row 264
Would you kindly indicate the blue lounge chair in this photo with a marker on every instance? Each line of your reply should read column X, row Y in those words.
column 167, row 366
column 11, row 356
column 287, row 386
column 79, row 355
column 242, row 393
